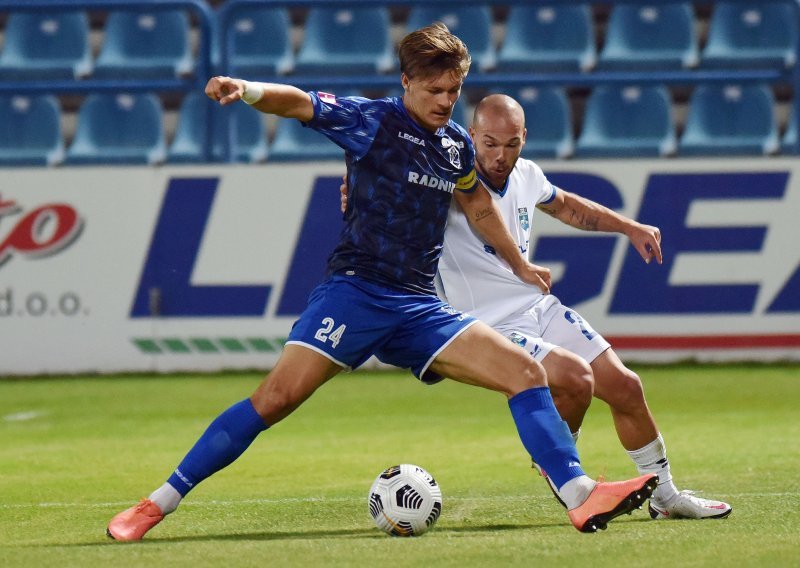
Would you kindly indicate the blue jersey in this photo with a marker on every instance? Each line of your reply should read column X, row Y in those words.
column 401, row 178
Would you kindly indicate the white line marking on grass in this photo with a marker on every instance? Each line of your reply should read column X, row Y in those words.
column 287, row 500
column 23, row 416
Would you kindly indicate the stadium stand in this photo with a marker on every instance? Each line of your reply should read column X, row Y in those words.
column 119, row 129
column 31, row 131
column 52, row 45
column 548, row 38
column 789, row 140
column 294, row 142
column 346, row 41
column 628, row 121
column 650, row 37
column 730, row 120
column 536, row 45
column 549, row 122
column 145, row 45
column 250, row 142
column 261, row 45
column 753, row 34
column 473, row 24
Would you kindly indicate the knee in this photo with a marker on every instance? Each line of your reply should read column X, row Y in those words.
column 578, row 374
column 533, row 375
column 628, row 390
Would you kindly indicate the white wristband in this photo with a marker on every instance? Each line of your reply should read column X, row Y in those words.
column 252, row 92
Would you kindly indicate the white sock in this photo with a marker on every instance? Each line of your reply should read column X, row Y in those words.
column 575, row 491
column 167, row 498
column 652, row 458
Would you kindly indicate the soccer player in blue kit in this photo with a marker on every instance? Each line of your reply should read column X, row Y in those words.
column 406, row 161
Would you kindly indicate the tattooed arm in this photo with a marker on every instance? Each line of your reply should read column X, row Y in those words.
column 585, row 214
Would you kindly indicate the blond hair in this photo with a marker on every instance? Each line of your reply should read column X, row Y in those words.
column 433, row 50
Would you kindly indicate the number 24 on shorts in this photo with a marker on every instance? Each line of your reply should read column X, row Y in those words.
column 324, row 333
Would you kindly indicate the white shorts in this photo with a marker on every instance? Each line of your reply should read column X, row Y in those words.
column 550, row 324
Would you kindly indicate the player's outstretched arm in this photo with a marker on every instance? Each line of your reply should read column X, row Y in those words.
column 270, row 98
column 483, row 216
column 585, row 214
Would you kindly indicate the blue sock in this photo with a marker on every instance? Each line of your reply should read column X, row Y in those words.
column 545, row 435
column 225, row 439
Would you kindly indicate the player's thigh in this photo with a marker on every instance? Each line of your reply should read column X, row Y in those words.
column 298, row 373
column 482, row 357
column 567, row 373
column 617, row 385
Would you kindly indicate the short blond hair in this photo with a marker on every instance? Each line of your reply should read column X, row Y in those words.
column 433, row 50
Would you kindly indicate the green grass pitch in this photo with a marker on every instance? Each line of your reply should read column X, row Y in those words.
column 74, row 451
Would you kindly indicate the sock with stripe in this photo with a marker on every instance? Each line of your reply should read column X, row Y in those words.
column 652, row 458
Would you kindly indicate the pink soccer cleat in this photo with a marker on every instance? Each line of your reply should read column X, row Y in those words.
column 133, row 523
column 610, row 500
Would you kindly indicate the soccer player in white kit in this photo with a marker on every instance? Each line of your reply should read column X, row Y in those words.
column 579, row 362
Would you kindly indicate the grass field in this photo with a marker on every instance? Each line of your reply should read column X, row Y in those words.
column 74, row 451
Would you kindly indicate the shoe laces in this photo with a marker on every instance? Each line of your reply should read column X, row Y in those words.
column 142, row 504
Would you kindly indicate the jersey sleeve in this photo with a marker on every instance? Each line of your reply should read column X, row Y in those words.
column 469, row 180
column 543, row 191
column 349, row 122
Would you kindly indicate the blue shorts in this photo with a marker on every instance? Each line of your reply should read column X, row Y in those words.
column 349, row 319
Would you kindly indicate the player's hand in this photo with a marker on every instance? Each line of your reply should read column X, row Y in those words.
column 224, row 90
column 343, row 194
column 538, row 276
column 646, row 239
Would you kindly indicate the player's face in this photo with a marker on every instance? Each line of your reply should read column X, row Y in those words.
column 498, row 142
column 430, row 100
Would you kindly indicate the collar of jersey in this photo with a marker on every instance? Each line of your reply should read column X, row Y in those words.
column 499, row 191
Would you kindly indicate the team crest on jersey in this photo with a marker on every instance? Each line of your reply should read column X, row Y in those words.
column 454, row 157
column 522, row 213
column 517, row 338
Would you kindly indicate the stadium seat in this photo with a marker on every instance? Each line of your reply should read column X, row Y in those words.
column 295, row 142
column 30, row 131
column 548, row 38
column 145, row 45
column 51, row 45
column 187, row 147
column 730, row 120
column 473, row 24
column 346, row 41
column 627, row 121
column 751, row 35
column 261, row 43
column 548, row 121
column 119, row 129
column 650, row 37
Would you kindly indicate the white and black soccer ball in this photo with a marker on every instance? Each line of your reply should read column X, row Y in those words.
column 405, row 500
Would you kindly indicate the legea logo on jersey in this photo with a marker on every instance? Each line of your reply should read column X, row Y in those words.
column 40, row 232
column 410, row 138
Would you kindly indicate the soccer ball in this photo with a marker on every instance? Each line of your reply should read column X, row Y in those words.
column 405, row 500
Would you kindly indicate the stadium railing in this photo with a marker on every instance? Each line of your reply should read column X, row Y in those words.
column 210, row 25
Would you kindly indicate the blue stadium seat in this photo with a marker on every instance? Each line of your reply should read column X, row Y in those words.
column 261, row 42
column 346, row 41
column 145, row 45
column 650, row 37
column 730, row 120
column 51, row 45
column 187, row 146
column 627, row 121
column 294, row 143
column 119, row 129
column 548, row 38
column 751, row 35
column 789, row 139
column 548, row 120
column 30, row 131
column 473, row 24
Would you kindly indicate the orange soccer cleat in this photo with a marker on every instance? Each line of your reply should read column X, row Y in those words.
column 610, row 500
column 133, row 523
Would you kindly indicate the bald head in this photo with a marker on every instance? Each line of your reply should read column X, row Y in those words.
column 498, row 111
column 498, row 132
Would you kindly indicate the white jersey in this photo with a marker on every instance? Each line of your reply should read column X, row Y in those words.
column 473, row 277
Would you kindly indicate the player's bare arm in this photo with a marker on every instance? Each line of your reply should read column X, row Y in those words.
column 271, row 98
column 481, row 211
column 587, row 215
